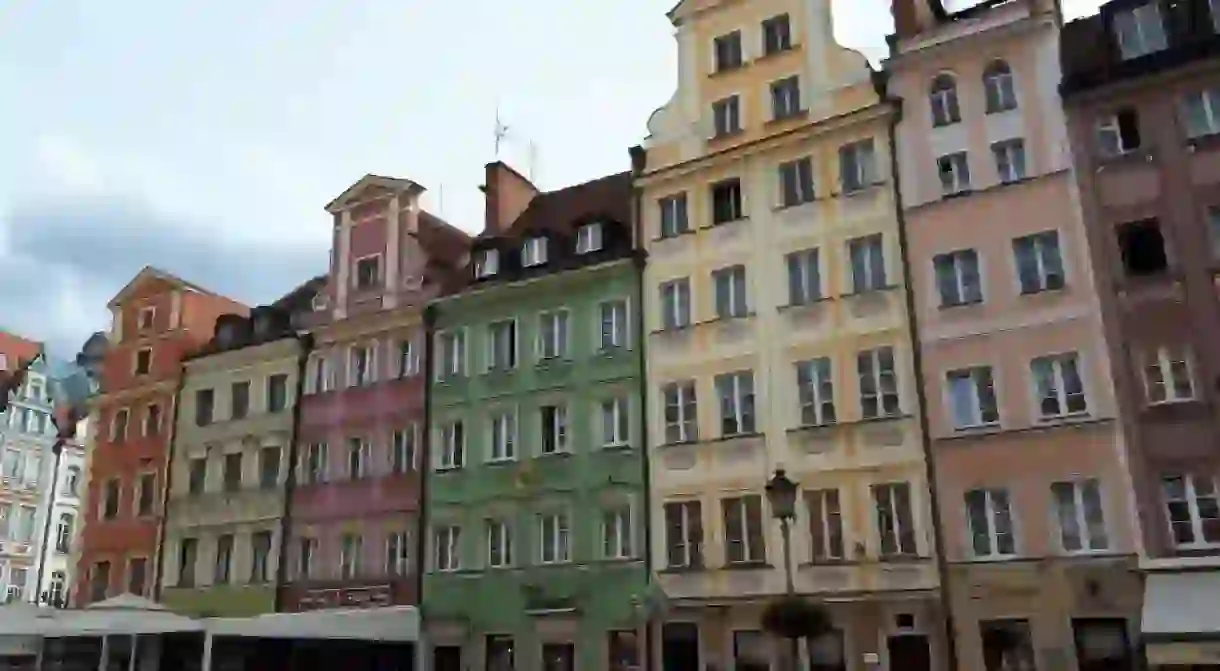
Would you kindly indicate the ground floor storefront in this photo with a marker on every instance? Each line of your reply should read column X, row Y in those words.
column 1181, row 619
column 550, row 641
column 1074, row 614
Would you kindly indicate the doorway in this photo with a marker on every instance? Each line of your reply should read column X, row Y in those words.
column 680, row 646
column 909, row 652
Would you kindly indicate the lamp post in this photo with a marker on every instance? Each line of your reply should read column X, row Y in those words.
column 781, row 494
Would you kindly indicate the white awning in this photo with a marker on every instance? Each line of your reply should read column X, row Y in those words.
column 126, row 614
column 1182, row 604
column 25, row 619
column 396, row 624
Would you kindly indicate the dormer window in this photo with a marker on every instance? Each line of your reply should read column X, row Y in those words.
column 487, row 264
column 1139, row 31
column 589, row 238
column 534, row 252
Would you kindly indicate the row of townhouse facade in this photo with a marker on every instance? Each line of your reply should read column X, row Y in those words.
column 967, row 303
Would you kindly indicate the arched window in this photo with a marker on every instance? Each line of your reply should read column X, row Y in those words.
column 55, row 593
column 943, row 98
column 63, row 533
column 72, row 482
column 998, row 87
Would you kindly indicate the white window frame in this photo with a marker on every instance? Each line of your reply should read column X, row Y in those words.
column 307, row 554
column 125, row 415
column 589, row 238
column 398, row 553
column 452, row 454
column 943, row 102
column 1040, row 244
column 750, row 554
column 618, row 541
column 863, row 156
column 676, row 306
column 731, row 116
column 534, row 252
column 350, row 558
column 408, row 358
column 360, row 449
column 616, row 409
column 978, row 378
column 554, row 538
column 369, row 376
column 673, row 209
column 496, row 331
column 732, row 289
column 619, row 312
column 736, row 396
column 314, row 454
column 502, row 441
column 956, row 179
column 992, row 513
column 1192, row 496
column 1207, row 102
column 1002, row 84
column 1163, row 363
column 879, row 375
column 683, row 396
column 816, row 397
column 894, row 488
column 1149, row 31
column 404, row 448
column 1053, row 368
column 487, row 263
column 377, row 280
column 559, row 427
column 869, row 252
column 452, row 348
column 499, row 538
column 957, row 262
column 1110, row 134
column 830, row 521
column 1011, row 161
column 554, row 335
column 447, row 546
column 1078, row 513
column 804, row 265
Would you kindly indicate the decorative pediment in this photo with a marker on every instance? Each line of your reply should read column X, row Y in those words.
column 372, row 187
column 152, row 277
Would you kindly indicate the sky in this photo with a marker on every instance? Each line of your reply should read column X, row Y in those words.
column 205, row 137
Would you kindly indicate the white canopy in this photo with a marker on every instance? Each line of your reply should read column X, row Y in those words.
column 1186, row 603
column 397, row 624
column 25, row 619
column 126, row 614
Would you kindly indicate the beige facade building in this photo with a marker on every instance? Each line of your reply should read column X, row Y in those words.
column 777, row 329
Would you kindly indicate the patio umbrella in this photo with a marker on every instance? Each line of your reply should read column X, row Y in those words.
column 126, row 614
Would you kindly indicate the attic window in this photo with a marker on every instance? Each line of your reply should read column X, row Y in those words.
column 589, row 238
column 368, row 271
column 487, row 264
column 146, row 317
column 534, row 252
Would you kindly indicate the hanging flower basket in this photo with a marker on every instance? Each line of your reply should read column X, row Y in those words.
column 794, row 617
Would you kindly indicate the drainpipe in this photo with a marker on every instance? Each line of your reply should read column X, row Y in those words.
column 938, row 535
column 423, row 660
column 159, row 550
column 305, row 348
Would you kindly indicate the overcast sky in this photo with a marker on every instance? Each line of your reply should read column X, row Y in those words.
column 205, row 137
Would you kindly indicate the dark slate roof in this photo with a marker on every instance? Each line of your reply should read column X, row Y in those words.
column 564, row 210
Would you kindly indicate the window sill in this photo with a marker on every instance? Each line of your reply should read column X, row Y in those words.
column 954, row 195
column 864, row 293
column 1044, row 290
column 805, row 305
column 500, row 461
column 556, row 454
column 727, row 222
column 615, row 447
column 1002, row 110
column 986, row 427
column 728, row 69
column 797, row 115
column 760, row 565
column 962, row 304
column 721, row 137
column 937, row 125
column 675, row 235
column 448, row 469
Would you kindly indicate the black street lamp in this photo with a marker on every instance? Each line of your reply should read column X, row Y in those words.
column 781, row 494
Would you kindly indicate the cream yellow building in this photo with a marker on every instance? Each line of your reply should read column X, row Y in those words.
column 776, row 312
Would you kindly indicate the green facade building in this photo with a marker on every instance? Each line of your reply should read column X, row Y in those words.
column 536, row 495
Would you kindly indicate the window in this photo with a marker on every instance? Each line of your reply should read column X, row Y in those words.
column 453, row 445
column 825, row 524
column 816, row 392
column 404, row 444
column 674, row 219
column 204, row 402
column 146, row 494
column 313, row 464
column 998, row 88
column 553, row 335
column 146, row 318
column 534, row 252
column 452, row 346
column 1213, row 228
column 224, row 559
column 1200, row 113
column 1058, row 386
column 231, row 472
column 1010, row 160
column 99, row 582
column 1193, row 508
column 143, row 361
column 239, row 400
column 260, row 555
column 446, row 547
column 197, row 475
column 616, row 422
column 503, row 437
column 398, row 553
column 1007, row 645
column 1039, row 262
column 726, row 201
column 558, row 657
column 502, row 345
column 1143, row 248
column 954, row 170
column 617, row 536
column 408, row 359
column 58, row 589
column 307, row 549
column 1118, row 133
column 22, row 529
column 118, row 426
column 751, row 651
column 499, row 544
column 152, row 419
column 728, row 51
column 681, row 412
column 804, row 277
column 990, row 521
column 1078, row 507
column 675, row 304
column 796, row 182
column 499, row 653
column 188, row 554
column 110, row 501
column 72, row 482
column 349, row 556
column 743, row 530
column 368, row 272
column 589, row 238
column 785, row 98
column 943, row 100
column 684, row 534
column 777, row 34
column 730, row 286
column 1214, row 8
column 957, row 278
column 487, row 263
column 867, row 264
column 878, row 383
column 735, row 391
column 894, row 522
column 972, row 397
column 555, row 537
column 357, row 458
column 1139, row 31
column 362, row 365
column 553, row 423
column 858, row 166
column 1167, row 376
column 319, row 379
column 63, row 533
column 614, row 325
column 277, row 393
column 13, row 463
column 269, row 467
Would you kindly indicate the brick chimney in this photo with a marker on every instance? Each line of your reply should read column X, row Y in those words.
column 506, row 195
column 912, row 17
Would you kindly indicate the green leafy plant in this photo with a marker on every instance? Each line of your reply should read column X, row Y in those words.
column 791, row 616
